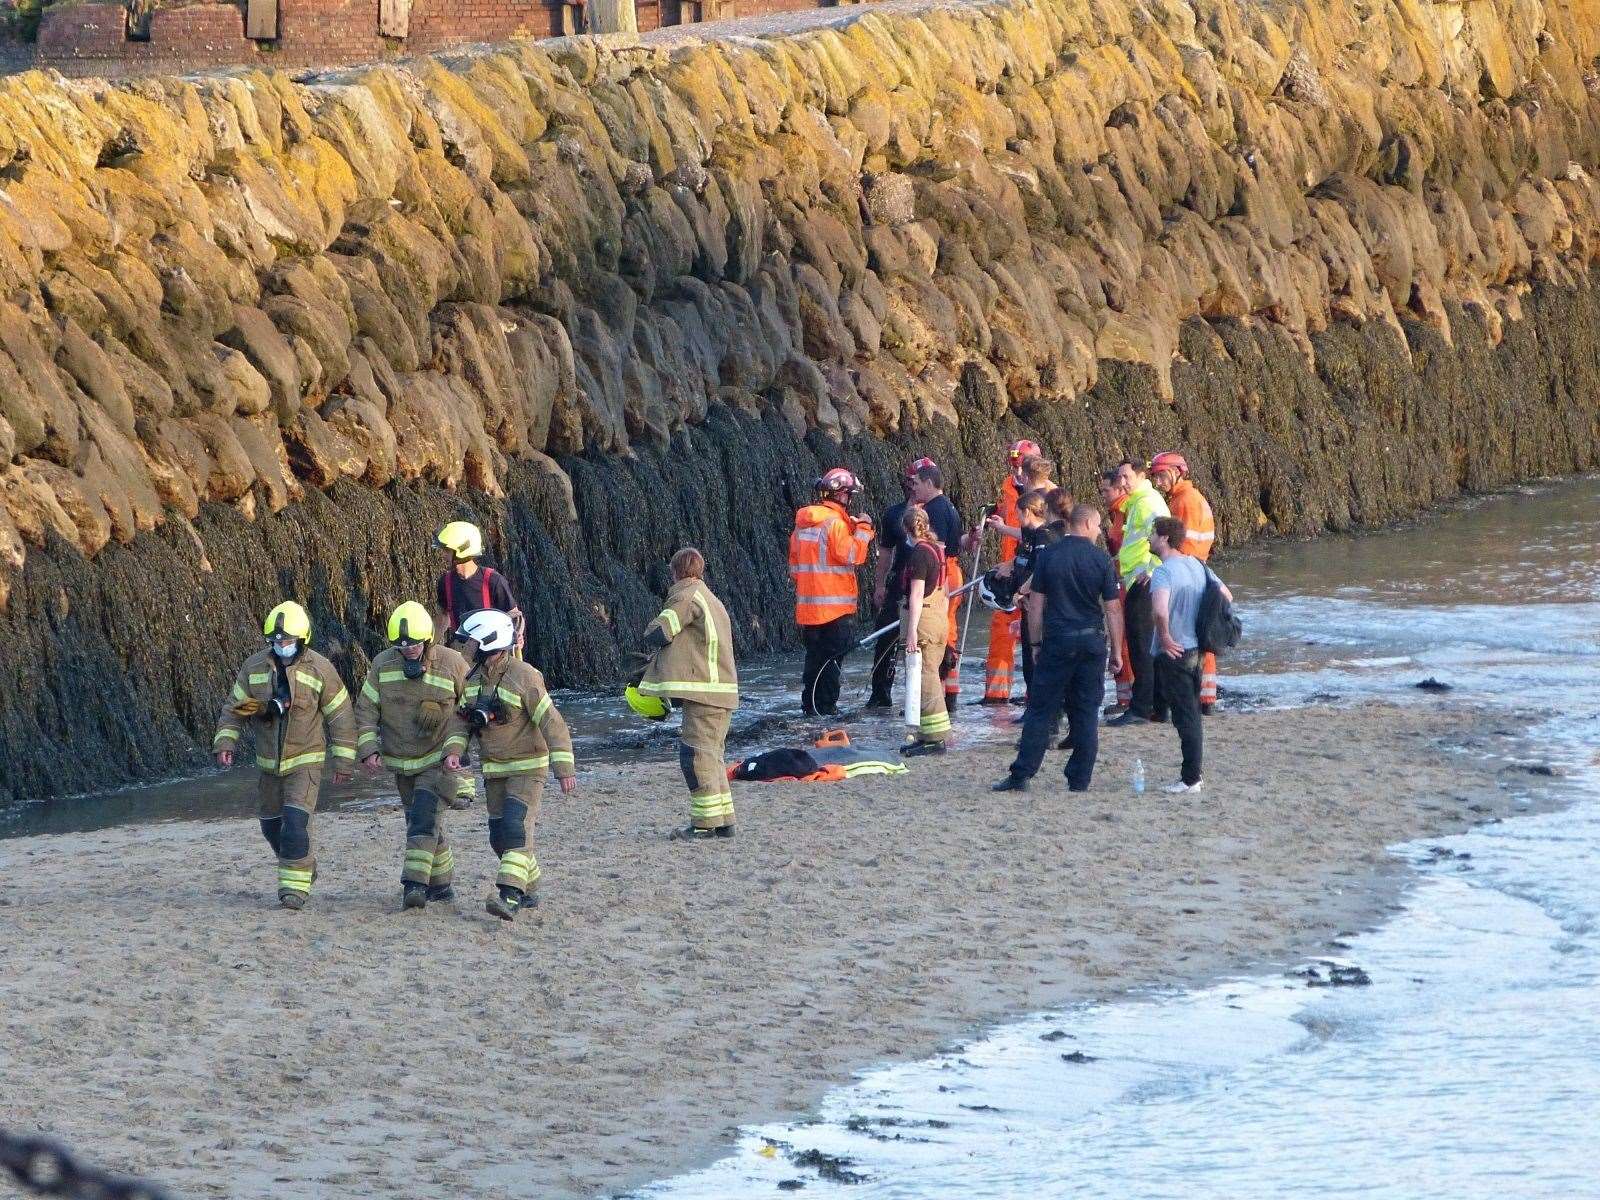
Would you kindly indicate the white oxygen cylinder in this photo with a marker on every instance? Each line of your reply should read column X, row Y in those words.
column 914, row 689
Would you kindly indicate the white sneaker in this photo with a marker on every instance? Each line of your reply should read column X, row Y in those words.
column 1179, row 788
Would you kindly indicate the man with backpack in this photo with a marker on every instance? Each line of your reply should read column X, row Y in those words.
column 1177, row 591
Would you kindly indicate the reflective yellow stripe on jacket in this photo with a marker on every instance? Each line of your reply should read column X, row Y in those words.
column 518, row 766
column 290, row 764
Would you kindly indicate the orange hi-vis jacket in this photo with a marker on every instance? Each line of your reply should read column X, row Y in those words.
column 826, row 547
column 1187, row 504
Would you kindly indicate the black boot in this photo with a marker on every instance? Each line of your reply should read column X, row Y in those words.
column 724, row 831
column 692, row 833
column 505, row 902
column 1065, row 743
column 1011, row 783
column 414, row 895
column 917, row 749
column 441, row 891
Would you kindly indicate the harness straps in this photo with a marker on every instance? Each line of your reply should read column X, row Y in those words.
column 450, row 594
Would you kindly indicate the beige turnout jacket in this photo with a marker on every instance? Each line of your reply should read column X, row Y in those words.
column 319, row 713
column 411, row 722
column 697, row 661
column 529, row 736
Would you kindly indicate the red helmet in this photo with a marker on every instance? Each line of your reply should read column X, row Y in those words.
column 1170, row 459
column 838, row 480
column 1024, row 449
column 920, row 464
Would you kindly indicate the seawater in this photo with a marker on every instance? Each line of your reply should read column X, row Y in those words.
column 1469, row 1065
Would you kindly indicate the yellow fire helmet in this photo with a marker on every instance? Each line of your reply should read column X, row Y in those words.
column 409, row 624
column 288, row 620
column 652, row 708
column 462, row 538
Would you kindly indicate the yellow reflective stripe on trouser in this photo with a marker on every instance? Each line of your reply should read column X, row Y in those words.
column 710, row 805
column 516, row 766
column 294, row 879
column 518, row 868
column 410, row 766
column 289, row 764
column 420, row 860
column 444, row 864
column 936, row 723
column 670, row 619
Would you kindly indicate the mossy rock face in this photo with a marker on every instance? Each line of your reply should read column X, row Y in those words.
column 261, row 336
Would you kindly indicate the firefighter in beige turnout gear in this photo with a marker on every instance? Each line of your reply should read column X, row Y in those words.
column 521, row 738
column 405, row 720
column 691, row 664
column 300, row 712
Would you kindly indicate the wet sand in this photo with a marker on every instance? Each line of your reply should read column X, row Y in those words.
column 165, row 1017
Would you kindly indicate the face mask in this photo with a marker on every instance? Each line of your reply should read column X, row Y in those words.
column 286, row 650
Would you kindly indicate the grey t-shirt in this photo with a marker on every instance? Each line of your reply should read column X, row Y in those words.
column 1184, row 580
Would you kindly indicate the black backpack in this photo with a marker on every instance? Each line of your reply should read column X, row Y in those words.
column 1216, row 626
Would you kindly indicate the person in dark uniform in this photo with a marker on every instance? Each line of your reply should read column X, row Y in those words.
column 1077, row 609
column 886, row 572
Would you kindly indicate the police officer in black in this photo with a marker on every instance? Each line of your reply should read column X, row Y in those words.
column 1076, row 607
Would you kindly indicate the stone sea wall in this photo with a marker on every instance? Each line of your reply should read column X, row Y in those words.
column 260, row 336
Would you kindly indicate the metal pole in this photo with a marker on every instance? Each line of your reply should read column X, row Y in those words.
column 893, row 625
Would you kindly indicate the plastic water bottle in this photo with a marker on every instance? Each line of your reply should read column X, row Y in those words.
column 1138, row 777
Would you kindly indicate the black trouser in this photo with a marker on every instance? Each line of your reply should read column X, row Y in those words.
column 1140, row 621
column 885, row 651
column 1179, row 680
column 1027, row 654
column 826, row 646
column 1069, row 671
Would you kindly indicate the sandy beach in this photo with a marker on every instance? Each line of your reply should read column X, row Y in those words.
column 165, row 1017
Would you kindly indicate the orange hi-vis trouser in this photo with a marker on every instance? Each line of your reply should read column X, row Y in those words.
column 1005, row 632
column 953, row 578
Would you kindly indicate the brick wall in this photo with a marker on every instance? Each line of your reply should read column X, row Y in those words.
column 90, row 38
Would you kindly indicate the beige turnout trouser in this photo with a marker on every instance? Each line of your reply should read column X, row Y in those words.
column 429, row 859
column 932, row 626
column 701, row 743
column 513, row 802
column 284, row 804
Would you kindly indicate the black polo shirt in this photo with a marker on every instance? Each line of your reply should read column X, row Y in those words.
column 1073, row 576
